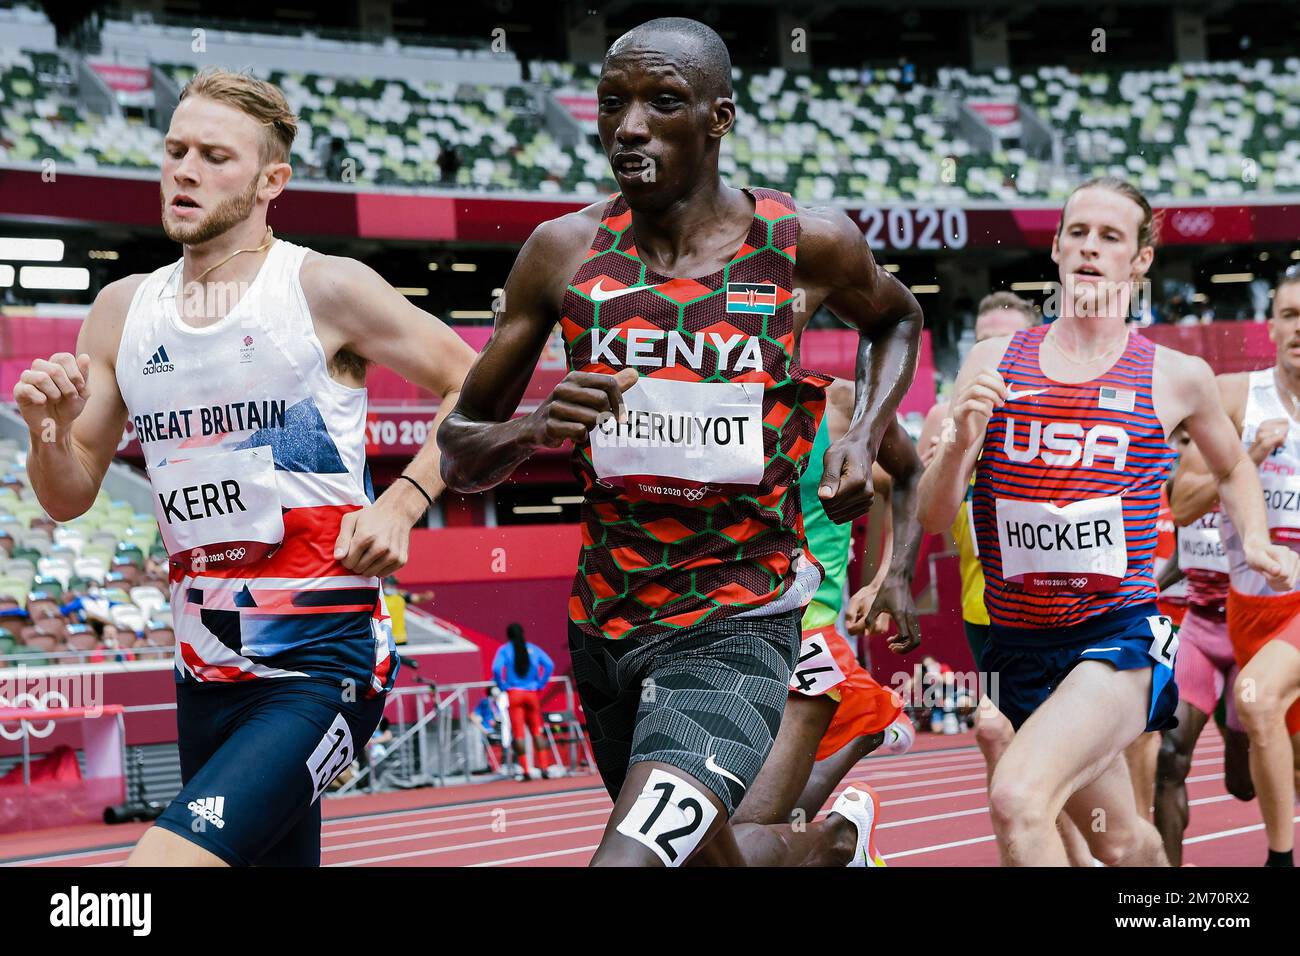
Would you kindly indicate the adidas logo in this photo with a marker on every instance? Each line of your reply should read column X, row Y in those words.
column 159, row 362
column 210, row 809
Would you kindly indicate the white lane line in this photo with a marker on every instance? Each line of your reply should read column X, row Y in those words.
column 939, row 846
column 986, row 839
column 1206, row 837
column 436, row 834
column 486, row 812
column 410, row 854
column 912, row 821
column 537, row 856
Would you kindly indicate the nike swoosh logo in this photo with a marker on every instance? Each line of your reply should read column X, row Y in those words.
column 711, row 764
column 601, row 295
column 1012, row 396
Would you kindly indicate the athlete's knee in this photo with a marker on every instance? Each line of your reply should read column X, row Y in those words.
column 1124, row 841
column 993, row 732
column 1173, row 762
column 668, row 817
column 619, row 853
column 1259, row 705
column 1016, row 803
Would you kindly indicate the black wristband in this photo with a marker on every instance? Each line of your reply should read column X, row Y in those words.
column 421, row 490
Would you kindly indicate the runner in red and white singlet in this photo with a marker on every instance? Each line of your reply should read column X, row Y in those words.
column 1264, row 627
column 1204, row 671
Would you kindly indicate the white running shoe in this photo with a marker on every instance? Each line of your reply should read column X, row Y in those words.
column 899, row 737
column 863, row 812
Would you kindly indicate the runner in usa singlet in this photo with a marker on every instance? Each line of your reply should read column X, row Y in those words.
column 692, row 508
column 1068, row 490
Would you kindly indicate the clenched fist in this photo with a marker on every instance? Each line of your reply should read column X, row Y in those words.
column 1278, row 563
column 578, row 402
column 972, row 409
column 55, row 389
column 1268, row 438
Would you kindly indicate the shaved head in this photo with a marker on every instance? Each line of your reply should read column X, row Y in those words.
column 693, row 47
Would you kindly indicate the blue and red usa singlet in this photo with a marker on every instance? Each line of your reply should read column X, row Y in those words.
column 1068, row 490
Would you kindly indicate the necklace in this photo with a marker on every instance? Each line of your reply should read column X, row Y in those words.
column 1292, row 405
column 270, row 238
column 1089, row 361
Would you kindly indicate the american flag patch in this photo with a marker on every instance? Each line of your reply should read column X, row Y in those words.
column 1116, row 399
column 752, row 298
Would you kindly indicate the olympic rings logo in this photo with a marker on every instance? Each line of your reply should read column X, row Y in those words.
column 1078, row 583
column 200, row 559
column 696, row 494
column 26, row 699
column 1189, row 223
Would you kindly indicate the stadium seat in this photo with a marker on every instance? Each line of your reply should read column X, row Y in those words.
column 148, row 599
column 127, row 616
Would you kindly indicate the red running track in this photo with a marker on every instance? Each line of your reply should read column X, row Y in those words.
column 935, row 813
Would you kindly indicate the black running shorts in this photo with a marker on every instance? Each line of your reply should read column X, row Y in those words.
column 709, row 696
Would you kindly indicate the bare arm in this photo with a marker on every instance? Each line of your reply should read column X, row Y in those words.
column 978, row 391
column 355, row 309
column 932, row 429
column 1219, row 444
column 1195, row 489
column 900, row 460
column 74, row 410
column 373, row 320
column 834, row 257
column 481, row 443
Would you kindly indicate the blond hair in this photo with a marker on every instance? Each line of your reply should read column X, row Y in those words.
column 259, row 99
column 1008, row 300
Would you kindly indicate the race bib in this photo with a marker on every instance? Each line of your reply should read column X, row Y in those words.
column 1164, row 640
column 1079, row 547
column 220, row 510
column 1282, row 503
column 1200, row 548
column 696, row 434
column 816, row 671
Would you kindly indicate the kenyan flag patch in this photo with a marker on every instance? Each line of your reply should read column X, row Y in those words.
column 752, row 298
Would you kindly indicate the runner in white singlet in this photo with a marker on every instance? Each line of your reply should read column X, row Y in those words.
column 242, row 368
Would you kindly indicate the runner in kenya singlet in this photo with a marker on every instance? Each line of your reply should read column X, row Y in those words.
column 255, row 454
column 1068, row 489
column 692, row 508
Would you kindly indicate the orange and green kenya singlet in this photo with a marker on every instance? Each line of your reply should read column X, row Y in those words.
column 692, row 497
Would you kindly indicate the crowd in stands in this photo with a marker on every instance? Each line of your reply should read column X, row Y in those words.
column 1214, row 130
column 93, row 589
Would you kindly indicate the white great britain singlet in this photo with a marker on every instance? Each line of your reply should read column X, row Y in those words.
column 1280, row 477
column 255, row 455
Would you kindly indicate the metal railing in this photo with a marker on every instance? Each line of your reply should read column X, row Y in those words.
column 441, row 743
column 109, row 655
